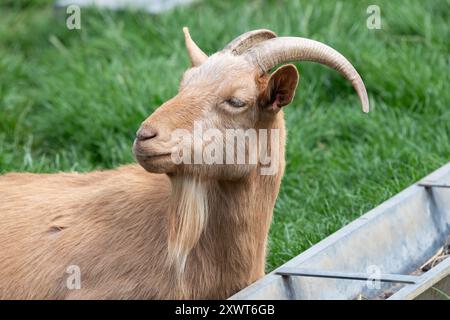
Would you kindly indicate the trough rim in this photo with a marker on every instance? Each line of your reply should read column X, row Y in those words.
column 345, row 231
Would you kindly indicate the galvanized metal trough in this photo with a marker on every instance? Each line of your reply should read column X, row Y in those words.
column 377, row 256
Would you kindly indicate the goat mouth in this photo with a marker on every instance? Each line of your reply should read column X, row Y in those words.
column 141, row 153
column 152, row 156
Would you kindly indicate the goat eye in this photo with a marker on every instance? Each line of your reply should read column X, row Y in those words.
column 235, row 102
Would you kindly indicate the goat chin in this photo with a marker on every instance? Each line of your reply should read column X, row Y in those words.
column 157, row 164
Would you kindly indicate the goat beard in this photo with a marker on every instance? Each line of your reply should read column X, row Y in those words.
column 188, row 217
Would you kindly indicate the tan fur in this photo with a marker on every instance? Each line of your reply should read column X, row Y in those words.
column 188, row 216
column 166, row 232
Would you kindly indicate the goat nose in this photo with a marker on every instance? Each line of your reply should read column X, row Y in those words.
column 146, row 133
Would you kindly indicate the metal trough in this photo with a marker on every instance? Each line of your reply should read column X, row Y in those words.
column 376, row 256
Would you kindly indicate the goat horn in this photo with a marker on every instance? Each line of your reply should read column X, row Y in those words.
column 248, row 40
column 196, row 54
column 272, row 52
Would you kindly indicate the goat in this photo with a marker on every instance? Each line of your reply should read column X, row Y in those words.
column 160, row 229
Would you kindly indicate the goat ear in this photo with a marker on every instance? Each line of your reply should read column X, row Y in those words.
column 281, row 88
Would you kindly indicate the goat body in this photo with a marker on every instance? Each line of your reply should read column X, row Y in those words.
column 166, row 230
column 114, row 225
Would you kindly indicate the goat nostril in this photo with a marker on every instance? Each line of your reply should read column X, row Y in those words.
column 146, row 134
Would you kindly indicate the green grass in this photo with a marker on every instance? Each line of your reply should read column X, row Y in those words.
column 72, row 100
column 441, row 293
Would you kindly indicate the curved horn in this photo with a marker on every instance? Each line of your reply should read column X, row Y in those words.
column 272, row 52
column 248, row 40
column 196, row 54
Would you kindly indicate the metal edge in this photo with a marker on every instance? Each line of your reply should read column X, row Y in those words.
column 394, row 278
